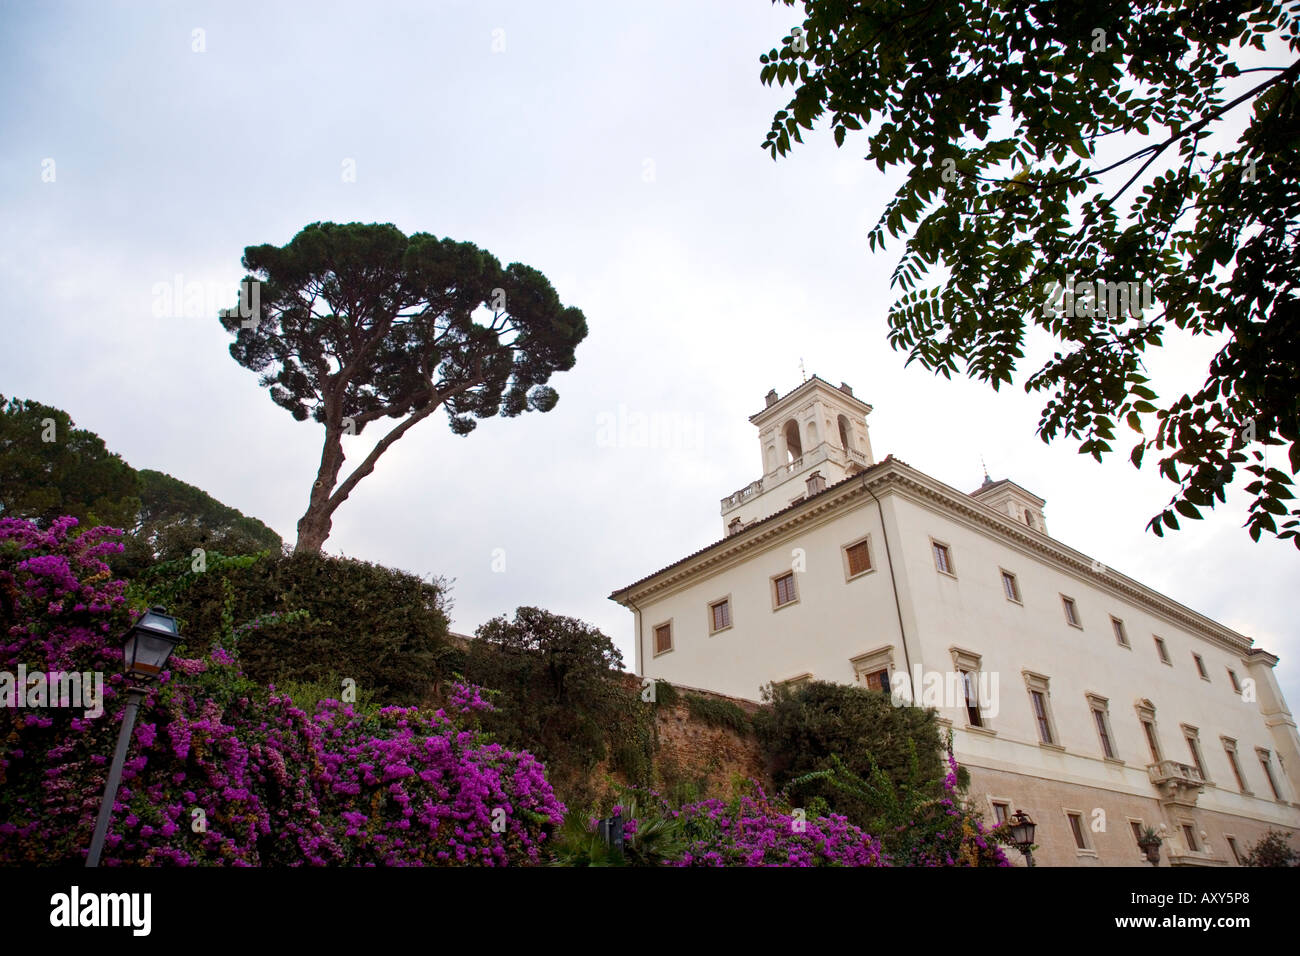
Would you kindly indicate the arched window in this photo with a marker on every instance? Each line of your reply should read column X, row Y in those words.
column 811, row 434
column 846, row 432
column 794, row 449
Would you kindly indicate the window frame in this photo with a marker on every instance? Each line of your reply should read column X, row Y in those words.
column 1200, row 667
column 1009, row 576
column 731, row 619
column 775, row 591
column 1162, row 650
column 1266, row 764
column 1071, row 608
column 1238, row 772
column 1100, row 708
column 1040, row 684
column 1231, row 840
column 1121, row 635
column 1082, row 842
column 935, row 546
column 849, row 573
column 969, row 663
column 1193, row 737
column 654, row 639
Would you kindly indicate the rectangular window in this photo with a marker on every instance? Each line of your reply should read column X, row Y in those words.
column 942, row 559
column 1010, row 587
column 720, row 615
column 1200, row 667
column 1149, row 728
column 1099, row 716
column 1040, row 715
column 1190, row 836
column 877, row 680
column 663, row 638
column 1076, row 827
column 1071, row 611
column 1162, row 650
column 1232, row 845
column 1230, row 748
column 1120, row 637
column 1232, row 676
column 859, row 556
column 1267, row 764
column 1194, row 748
column 1136, row 826
column 785, row 589
column 972, row 699
column 1001, row 812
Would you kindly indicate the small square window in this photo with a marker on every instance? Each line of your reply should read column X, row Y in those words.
column 1121, row 637
column 1200, row 666
column 1071, row 611
column 1001, row 812
column 1010, row 587
column 942, row 557
column 859, row 558
column 719, row 615
column 1163, row 651
column 663, row 638
column 785, row 591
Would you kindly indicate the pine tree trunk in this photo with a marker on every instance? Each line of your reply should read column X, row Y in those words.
column 314, row 526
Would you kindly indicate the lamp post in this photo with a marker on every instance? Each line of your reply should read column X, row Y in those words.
column 1022, row 835
column 145, row 650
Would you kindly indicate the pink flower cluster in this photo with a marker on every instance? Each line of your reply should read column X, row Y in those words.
column 220, row 774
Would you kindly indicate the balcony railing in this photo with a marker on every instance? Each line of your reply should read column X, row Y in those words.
column 1177, row 782
column 780, row 474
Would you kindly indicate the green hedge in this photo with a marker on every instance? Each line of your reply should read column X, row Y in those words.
column 383, row 628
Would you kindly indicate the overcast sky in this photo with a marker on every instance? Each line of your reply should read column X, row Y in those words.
column 615, row 148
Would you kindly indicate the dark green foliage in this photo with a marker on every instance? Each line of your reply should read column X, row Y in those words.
column 805, row 730
column 562, row 695
column 72, row 474
column 719, row 713
column 75, row 474
column 356, row 323
column 176, row 518
column 666, row 694
column 1020, row 128
column 380, row 627
column 658, row 839
column 1272, row 849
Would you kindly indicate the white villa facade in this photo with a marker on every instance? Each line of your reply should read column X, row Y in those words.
column 1074, row 693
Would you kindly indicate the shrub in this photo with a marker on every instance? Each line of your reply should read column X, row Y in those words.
column 384, row 629
column 804, row 729
column 1272, row 849
column 221, row 772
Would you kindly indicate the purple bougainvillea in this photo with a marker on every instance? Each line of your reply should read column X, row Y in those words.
column 221, row 771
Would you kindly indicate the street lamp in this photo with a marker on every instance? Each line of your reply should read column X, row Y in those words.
column 1022, row 835
column 145, row 649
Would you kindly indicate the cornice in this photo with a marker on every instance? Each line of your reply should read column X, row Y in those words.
column 894, row 476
